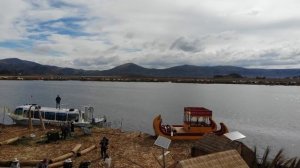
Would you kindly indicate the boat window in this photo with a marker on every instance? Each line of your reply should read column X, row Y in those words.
column 37, row 115
column 43, row 114
column 194, row 121
column 73, row 117
column 61, row 116
column 49, row 115
column 19, row 111
column 25, row 113
column 187, row 117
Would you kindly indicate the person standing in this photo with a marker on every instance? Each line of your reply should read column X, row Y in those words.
column 68, row 163
column 15, row 163
column 58, row 99
column 103, row 147
column 72, row 127
column 43, row 164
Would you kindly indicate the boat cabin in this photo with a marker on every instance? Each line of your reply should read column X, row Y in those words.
column 196, row 118
column 49, row 113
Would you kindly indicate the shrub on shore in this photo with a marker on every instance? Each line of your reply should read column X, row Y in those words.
column 279, row 161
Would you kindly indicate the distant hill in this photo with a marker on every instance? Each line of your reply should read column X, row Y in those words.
column 14, row 66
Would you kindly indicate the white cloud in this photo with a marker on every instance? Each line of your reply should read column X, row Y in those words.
column 153, row 33
column 10, row 12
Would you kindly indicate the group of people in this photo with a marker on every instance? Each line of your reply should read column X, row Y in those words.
column 67, row 129
column 68, row 163
column 43, row 164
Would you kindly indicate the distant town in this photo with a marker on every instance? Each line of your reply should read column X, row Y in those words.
column 213, row 80
column 16, row 69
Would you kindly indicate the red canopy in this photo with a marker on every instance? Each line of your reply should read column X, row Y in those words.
column 198, row 111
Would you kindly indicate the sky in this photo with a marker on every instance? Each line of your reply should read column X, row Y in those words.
column 102, row 34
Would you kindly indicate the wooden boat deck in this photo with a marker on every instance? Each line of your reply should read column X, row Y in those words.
column 179, row 129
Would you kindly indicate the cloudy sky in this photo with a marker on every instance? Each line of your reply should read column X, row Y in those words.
column 101, row 34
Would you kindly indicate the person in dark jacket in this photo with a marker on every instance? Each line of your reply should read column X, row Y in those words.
column 43, row 164
column 58, row 99
column 103, row 147
column 72, row 127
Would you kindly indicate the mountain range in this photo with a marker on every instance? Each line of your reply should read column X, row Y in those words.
column 15, row 66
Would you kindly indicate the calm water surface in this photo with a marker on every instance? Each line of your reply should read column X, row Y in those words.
column 267, row 115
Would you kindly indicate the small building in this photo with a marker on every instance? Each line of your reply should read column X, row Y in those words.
column 211, row 143
column 225, row 159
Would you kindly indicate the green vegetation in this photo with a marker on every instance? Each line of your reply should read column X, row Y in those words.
column 278, row 161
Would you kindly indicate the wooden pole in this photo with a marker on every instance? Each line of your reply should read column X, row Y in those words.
column 5, row 163
column 30, row 127
column 157, row 160
column 30, row 162
column 86, row 150
column 9, row 141
column 57, row 164
column 163, row 155
column 62, row 157
column 41, row 120
column 4, row 111
column 76, row 148
column 68, row 155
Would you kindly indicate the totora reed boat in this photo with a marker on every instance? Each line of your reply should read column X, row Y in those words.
column 197, row 122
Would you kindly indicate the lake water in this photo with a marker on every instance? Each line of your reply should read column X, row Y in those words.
column 267, row 115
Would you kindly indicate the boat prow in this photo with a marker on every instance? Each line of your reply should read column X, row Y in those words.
column 223, row 130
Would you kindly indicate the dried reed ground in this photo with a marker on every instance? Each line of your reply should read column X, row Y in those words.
column 127, row 149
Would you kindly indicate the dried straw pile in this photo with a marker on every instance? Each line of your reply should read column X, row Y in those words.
column 127, row 149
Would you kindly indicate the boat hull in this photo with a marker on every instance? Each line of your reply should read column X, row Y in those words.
column 25, row 121
column 180, row 133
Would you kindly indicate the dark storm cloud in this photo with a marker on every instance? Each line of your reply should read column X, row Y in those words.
column 186, row 45
column 101, row 60
column 270, row 58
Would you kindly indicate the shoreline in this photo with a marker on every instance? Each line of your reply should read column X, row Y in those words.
column 127, row 149
column 202, row 80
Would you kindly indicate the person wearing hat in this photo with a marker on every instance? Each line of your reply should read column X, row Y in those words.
column 43, row 164
column 15, row 163
column 68, row 163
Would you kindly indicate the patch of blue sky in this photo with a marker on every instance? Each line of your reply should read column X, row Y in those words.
column 39, row 37
column 53, row 3
column 54, row 53
column 59, row 4
column 106, row 41
column 131, row 49
column 66, row 26
column 17, row 44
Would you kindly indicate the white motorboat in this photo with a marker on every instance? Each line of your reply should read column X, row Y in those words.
column 54, row 116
